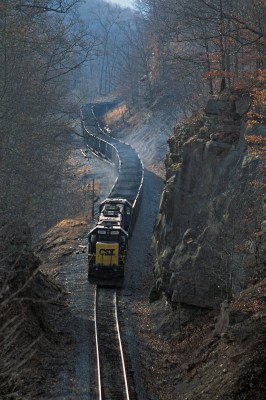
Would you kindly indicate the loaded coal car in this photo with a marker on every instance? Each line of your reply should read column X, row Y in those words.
column 108, row 240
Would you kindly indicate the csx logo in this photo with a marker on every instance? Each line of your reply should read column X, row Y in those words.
column 107, row 252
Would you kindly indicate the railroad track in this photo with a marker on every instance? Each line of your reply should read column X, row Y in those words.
column 112, row 378
column 114, row 382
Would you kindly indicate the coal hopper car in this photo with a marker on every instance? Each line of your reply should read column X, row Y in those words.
column 108, row 241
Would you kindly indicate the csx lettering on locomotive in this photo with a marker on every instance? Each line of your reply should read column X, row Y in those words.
column 107, row 252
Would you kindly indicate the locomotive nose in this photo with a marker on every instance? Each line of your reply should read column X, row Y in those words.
column 107, row 253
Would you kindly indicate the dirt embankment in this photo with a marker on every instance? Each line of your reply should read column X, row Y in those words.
column 30, row 306
column 212, row 357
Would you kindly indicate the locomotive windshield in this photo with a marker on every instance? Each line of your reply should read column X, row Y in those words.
column 106, row 235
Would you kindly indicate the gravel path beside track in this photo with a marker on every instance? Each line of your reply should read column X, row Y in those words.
column 138, row 279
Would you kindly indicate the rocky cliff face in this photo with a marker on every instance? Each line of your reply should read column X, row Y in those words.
column 26, row 315
column 208, row 238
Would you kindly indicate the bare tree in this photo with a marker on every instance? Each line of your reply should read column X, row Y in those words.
column 218, row 42
column 38, row 52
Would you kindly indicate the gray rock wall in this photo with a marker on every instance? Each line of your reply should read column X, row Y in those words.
column 207, row 237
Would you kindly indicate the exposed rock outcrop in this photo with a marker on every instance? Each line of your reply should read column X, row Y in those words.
column 26, row 336
column 208, row 238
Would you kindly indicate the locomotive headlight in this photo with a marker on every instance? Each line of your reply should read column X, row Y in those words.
column 101, row 232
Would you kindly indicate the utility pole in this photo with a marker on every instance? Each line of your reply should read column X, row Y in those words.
column 92, row 207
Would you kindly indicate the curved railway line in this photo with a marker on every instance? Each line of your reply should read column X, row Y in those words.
column 127, row 163
column 112, row 378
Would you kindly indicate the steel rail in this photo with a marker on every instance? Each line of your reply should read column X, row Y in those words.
column 97, row 347
column 121, row 348
column 123, row 372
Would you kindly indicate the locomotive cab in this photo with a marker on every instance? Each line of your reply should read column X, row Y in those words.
column 107, row 249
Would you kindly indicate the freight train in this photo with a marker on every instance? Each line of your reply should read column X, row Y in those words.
column 108, row 240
